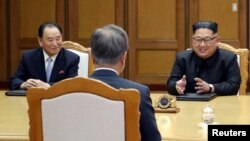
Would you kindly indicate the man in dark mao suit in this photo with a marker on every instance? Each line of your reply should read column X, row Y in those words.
column 109, row 46
column 205, row 68
column 31, row 71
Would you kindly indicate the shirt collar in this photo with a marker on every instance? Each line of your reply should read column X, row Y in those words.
column 46, row 56
column 103, row 68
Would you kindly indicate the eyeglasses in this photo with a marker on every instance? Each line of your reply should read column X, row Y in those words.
column 206, row 40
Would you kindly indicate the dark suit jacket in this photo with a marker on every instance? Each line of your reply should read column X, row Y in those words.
column 148, row 126
column 221, row 70
column 32, row 65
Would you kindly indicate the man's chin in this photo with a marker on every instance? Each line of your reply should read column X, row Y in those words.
column 203, row 55
column 54, row 52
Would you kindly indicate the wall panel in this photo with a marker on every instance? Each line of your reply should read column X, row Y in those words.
column 3, row 42
column 156, row 19
column 159, row 65
column 94, row 14
column 33, row 13
column 156, row 33
column 87, row 15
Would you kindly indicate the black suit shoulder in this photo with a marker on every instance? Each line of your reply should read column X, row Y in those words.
column 32, row 53
column 185, row 54
column 69, row 54
column 135, row 85
column 227, row 55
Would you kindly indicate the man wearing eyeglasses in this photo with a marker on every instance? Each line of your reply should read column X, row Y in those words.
column 205, row 68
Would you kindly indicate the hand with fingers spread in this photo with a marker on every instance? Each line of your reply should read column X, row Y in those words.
column 202, row 86
column 181, row 85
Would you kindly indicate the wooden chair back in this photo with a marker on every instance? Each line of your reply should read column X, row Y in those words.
column 242, row 54
column 77, row 109
column 86, row 66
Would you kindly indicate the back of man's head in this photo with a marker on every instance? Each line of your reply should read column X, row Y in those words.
column 108, row 44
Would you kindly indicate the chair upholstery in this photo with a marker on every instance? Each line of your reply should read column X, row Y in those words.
column 74, row 110
column 242, row 54
column 86, row 65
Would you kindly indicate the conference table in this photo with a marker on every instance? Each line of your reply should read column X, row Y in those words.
column 186, row 125
column 14, row 121
column 181, row 126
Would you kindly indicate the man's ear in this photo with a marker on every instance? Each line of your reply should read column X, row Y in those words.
column 40, row 42
column 123, row 59
column 217, row 40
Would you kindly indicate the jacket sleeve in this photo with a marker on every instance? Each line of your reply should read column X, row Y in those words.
column 20, row 75
column 176, row 74
column 148, row 125
column 73, row 67
column 232, row 81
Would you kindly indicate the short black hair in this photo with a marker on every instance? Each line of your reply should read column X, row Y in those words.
column 48, row 24
column 205, row 24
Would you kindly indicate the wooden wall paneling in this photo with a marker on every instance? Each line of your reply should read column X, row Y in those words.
column 248, row 26
column 3, row 42
column 157, row 30
column 25, row 18
column 232, row 24
column 152, row 65
column 14, row 33
column 87, row 15
column 156, row 33
column 243, row 23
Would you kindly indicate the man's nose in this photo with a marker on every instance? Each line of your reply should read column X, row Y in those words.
column 202, row 43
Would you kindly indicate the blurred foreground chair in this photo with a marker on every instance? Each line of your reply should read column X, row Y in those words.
column 83, row 109
column 86, row 66
column 242, row 55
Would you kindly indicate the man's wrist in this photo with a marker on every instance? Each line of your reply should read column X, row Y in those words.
column 23, row 86
column 211, row 88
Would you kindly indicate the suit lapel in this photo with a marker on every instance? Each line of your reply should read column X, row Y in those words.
column 41, row 72
column 58, row 66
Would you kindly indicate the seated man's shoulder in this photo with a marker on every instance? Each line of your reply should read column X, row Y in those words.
column 184, row 55
column 226, row 53
column 69, row 53
column 136, row 85
column 32, row 52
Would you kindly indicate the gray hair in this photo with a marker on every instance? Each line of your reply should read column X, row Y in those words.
column 108, row 44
